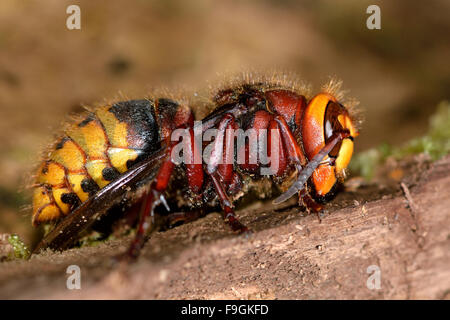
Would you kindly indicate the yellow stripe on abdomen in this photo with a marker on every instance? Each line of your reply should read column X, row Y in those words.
column 44, row 208
column 116, row 131
column 119, row 157
column 90, row 137
column 69, row 155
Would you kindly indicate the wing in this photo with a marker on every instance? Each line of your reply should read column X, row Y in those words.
column 67, row 230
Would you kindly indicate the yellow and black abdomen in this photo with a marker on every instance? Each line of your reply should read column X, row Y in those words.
column 92, row 153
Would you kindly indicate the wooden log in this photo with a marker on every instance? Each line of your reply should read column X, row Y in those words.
column 405, row 236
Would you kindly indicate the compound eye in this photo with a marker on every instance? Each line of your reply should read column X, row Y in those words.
column 332, row 125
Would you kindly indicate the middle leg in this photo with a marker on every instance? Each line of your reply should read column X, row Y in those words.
column 224, row 143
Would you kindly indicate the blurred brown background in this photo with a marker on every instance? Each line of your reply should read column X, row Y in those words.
column 398, row 73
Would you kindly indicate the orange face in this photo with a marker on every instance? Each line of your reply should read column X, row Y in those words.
column 323, row 117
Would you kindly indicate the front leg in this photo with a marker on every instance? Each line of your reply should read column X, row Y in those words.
column 298, row 158
column 309, row 203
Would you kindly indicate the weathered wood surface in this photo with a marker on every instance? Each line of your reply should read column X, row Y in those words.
column 290, row 256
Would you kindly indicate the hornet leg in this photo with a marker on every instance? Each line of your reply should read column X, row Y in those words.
column 227, row 122
column 153, row 197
